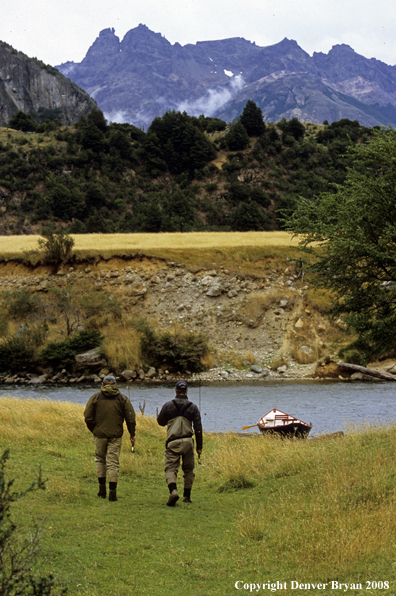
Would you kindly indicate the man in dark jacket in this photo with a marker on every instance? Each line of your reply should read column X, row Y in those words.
column 183, row 419
column 104, row 415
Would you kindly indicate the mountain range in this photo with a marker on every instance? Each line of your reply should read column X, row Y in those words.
column 143, row 75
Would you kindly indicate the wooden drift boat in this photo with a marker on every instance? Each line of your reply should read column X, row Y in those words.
column 279, row 423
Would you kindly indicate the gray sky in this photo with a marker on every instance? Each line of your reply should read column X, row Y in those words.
column 59, row 30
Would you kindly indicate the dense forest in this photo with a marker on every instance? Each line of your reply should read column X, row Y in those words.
column 184, row 173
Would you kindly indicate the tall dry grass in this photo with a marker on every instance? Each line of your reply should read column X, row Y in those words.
column 122, row 347
column 148, row 242
column 326, row 506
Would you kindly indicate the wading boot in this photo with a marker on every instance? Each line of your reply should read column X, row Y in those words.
column 102, row 491
column 173, row 498
column 113, row 495
column 187, row 495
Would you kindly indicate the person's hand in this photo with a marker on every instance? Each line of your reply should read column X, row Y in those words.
column 199, row 451
column 133, row 441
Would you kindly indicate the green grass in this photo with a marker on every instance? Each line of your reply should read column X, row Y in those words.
column 263, row 510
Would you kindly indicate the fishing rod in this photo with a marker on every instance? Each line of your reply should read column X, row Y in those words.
column 199, row 385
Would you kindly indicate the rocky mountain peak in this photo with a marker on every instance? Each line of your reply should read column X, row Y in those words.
column 141, row 39
column 106, row 45
column 218, row 77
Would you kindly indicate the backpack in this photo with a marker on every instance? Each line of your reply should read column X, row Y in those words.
column 179, row 427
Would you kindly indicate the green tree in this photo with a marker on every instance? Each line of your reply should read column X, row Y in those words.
column 248, row 217
column 180, row 144
column 252, row 119
column 23, row 122
column 97, row 118
column 237, row 138
column 351, row 236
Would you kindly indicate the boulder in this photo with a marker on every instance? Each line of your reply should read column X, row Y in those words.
column 38, row 380
column 256, row 368
column 214, row 291
column 91, row 360
column 151, row 373
column 129, row 374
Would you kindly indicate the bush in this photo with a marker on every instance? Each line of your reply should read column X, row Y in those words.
column 100, row 303
column 177, row 350
column 18, row 352
column 57, row 245
column 18, row 553
column 21, row 303
column 60, row 354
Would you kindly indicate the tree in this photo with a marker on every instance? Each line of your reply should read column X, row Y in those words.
column 18, row 554
column 351, row 236
column 57, row 246
column 247, row 217
column 176, row 141
column 237, row 138
column 252, row 119
column 23, row 122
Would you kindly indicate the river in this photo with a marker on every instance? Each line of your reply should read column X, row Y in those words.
column 227, row 407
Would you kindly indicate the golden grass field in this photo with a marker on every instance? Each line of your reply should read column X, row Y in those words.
column 151, row 242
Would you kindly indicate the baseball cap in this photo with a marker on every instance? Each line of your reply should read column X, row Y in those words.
column 181, row 385
column 109, row 379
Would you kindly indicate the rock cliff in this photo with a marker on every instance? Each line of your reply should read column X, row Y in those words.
column 27, row 84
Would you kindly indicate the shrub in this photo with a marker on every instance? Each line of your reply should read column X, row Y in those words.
column 57, row 245
column 18, row 352
column 18, row 553
column 100, row 303
column 60, row 354
column 21, row 303
column 175, row 350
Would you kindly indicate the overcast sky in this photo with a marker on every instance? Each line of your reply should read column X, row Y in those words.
column 59, row 30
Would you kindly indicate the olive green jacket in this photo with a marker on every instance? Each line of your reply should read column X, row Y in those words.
column 104, row 415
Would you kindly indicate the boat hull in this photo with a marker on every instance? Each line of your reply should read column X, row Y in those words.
column 296, row 430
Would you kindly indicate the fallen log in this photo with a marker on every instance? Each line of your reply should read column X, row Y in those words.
column 366, row 371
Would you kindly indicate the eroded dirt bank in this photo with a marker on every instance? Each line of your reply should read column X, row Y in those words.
column 261, row 324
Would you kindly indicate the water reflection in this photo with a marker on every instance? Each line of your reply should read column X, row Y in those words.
column 329, row 406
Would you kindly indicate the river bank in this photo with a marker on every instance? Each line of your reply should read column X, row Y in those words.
column 259, row 313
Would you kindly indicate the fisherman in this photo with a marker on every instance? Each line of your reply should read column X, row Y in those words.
column 183, row 419
column 104, row 415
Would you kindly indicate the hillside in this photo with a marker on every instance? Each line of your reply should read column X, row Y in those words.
column 183, row 174
column 28, row 85
column 143, row 75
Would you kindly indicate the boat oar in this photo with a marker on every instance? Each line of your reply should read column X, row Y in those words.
column 251, row 426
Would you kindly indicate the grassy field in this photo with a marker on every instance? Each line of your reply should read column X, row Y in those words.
column 243, row 252
column 264, row 510
column 116, row 243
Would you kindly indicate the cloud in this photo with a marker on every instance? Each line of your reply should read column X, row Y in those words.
column 213, row 100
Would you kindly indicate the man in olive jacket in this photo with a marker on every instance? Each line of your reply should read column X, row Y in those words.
column 104, row 415
column 182, row 419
